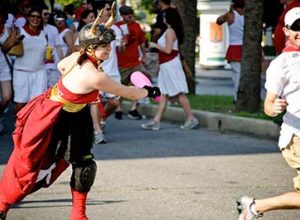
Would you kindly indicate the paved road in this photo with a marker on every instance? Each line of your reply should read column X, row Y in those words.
column 166, row 175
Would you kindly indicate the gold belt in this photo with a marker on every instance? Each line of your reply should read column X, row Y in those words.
column 67, row 106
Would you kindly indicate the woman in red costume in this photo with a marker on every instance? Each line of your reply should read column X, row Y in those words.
column 55, row 129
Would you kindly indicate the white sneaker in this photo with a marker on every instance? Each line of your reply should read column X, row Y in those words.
column 246, row 208
column 151, row 125
column 102, row 124
column 99, row 138
column 190, row 124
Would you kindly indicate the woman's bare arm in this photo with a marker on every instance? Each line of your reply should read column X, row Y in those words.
column 104, row 83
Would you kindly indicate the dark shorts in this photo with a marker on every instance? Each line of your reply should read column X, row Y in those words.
column 72, row 137
column 126, row 73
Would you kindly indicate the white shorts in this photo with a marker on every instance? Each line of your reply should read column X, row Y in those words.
column 27, row 85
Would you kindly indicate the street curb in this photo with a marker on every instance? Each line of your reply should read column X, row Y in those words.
column 219, row 122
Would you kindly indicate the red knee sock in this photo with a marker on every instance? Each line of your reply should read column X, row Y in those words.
column 78, row 205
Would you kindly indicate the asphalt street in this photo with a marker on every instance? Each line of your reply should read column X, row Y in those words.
column 165, row 175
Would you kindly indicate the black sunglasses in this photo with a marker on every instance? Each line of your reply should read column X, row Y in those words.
column 46, row 14
column 295, row 27
column 35, row 16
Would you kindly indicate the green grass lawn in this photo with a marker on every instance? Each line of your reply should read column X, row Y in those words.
column 221, row 104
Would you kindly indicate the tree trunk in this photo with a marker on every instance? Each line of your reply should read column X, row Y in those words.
column 188, row 12
column 249, row 88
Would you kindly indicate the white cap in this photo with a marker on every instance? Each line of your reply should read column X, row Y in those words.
column 291, row 16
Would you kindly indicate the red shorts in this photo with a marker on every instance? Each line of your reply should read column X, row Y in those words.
column 234, row 53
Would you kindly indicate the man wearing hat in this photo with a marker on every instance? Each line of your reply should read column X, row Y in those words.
column 279, row 36
column 283, row 92
column 65, row 39
column 129, row 59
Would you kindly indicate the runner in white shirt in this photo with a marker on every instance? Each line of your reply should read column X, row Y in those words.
column 283, row 92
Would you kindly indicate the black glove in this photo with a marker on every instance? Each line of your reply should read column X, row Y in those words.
column 153, row 92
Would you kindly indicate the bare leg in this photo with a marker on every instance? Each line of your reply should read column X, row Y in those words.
column 6, row 93
column 290, row 200
column 18, row 107
column 133, row 105
column 111, row 105
column 95, row 116
column 161, row 107
column 120, row 106
column 185, row 104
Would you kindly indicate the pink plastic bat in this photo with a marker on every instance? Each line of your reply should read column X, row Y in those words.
column 140, row 80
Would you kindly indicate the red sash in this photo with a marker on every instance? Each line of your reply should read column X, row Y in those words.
column 163, row 57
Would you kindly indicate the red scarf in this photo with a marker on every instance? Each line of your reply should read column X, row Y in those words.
column 290, row 47
column 62, row 28
column 30, row 31
column 93, row 60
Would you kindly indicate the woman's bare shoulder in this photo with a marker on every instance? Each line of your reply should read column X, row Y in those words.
column 170, row 31
column 68, row 62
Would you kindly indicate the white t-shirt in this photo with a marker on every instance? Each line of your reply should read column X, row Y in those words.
column 61, row 42
column 283, row 79
column 33, row 58
column 110, row 66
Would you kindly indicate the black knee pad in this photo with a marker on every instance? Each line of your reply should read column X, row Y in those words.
column 83, row 177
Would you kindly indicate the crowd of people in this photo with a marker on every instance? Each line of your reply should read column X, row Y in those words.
column 72, row 66
column 46, row 37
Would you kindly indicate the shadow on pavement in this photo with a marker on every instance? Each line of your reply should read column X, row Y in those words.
column 31, row 204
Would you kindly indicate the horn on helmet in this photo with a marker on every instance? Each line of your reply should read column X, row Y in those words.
column 96, row 22
column 111, row 20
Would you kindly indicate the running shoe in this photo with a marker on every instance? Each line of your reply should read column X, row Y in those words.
column 151, row 125
column 246, row 208
column 119, row 115
column 99, row 138
column 190, row 124
column 134, row 114
column 2, row 216
column 102, row 125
